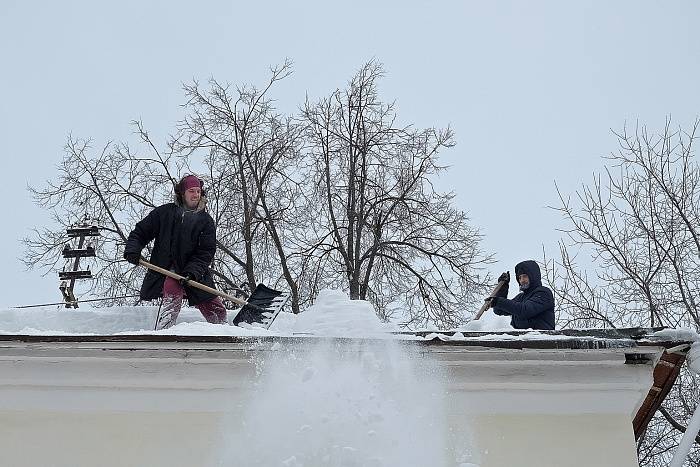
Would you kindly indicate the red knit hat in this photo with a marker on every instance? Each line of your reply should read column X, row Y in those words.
column 190, row 181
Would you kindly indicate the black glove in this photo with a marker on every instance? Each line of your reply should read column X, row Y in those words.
column 505, row 277
column 186, row 279
column 492, row 301
column 132, row 257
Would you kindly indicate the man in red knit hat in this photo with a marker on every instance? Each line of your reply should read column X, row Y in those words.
column 185, row 243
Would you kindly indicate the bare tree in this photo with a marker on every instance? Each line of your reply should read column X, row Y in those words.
column 114, row 187
column 254, row 159
column 398, row 241
column 641, row 222
column 338, row 196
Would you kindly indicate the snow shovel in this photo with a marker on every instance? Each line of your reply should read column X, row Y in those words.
column 262, row 307
column 486, row 304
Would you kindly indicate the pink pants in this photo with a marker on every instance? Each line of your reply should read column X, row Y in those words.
column 213, row 310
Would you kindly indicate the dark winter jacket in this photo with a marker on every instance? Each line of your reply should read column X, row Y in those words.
column 531, row 309
column 185, row 242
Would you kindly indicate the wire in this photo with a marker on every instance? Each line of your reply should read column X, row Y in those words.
column 77, row 301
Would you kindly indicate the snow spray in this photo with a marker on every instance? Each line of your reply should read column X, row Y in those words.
column 342, row 402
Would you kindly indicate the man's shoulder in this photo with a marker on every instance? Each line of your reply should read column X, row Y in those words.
column 165, row 207
column 161, row 212
column 539, row 290
column 543, row 290
column 207, row 217
column 202, row 212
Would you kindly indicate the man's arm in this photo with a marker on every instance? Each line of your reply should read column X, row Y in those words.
column 503, row 291
column 144, row 231
column 535, row 304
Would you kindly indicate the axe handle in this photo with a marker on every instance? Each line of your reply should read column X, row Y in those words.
column 485, row 306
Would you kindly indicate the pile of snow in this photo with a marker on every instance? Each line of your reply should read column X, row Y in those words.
column 685, row 334
column 108, row 321
column 680, row 334
column 85, row 320
column 199, row 327
column 489, row 321
column 334, row 314
column 694, row 358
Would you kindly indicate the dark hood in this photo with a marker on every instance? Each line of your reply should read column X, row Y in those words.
column 532, row 269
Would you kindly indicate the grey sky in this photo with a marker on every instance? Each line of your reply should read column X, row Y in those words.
column 531, row 89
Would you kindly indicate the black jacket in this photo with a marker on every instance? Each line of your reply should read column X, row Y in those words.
column 185, row 242
column 531, row 309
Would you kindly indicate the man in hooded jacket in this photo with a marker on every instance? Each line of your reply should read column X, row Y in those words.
column 533, row 307
column 185, row 242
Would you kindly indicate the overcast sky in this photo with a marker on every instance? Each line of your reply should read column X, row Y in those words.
column 532, row 89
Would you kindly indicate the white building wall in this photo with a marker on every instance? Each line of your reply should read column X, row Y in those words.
column 64, row 439
column 88, row 405
column 110, row 439
column 601, row 440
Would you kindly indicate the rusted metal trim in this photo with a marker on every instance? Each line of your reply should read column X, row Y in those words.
column 665, row 373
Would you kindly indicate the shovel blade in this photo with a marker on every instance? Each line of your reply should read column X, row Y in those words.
column 267, row 303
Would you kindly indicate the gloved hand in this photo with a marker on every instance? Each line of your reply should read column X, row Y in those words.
column 187, row 277
column 132, row 257
column 505, row 277
column 492, row 301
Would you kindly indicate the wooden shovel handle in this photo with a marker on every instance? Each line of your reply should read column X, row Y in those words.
column 486, row 304
column 192, row 283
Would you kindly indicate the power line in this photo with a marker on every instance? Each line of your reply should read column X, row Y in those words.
column 77, row 301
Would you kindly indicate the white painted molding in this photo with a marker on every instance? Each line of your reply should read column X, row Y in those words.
column 196, row 377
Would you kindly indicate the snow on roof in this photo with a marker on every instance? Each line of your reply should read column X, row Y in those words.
column 333, row 315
